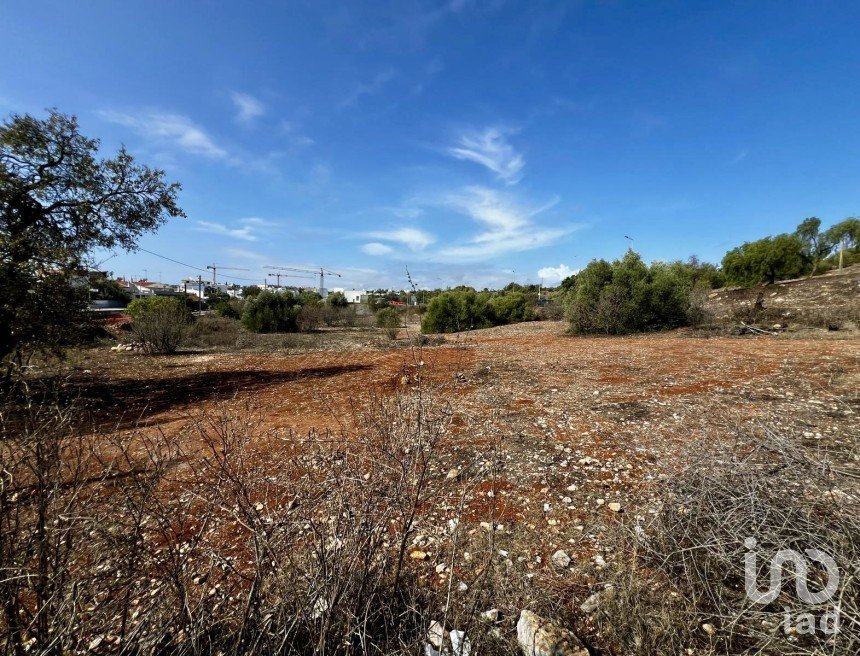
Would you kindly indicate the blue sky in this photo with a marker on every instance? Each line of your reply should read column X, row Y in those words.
column 474, row 142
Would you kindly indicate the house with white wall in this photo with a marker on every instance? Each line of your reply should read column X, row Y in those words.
column 353, row 295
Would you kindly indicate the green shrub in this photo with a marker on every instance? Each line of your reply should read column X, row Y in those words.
column 159, row 322
column 512, row 308
column 251, row 291
column 456, row 311
column 270, row 312
column 465, row 309
column 628, row 296
column 230, row 309
column 389, row 320
column 307, row 299
column 336, row 300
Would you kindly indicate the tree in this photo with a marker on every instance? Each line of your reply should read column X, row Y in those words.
column 455, row 311
column 309, row 299
column 628, row 295
column 58, row 202
column 512, row 308
column 337, row 300
column 250, row 291
column 845, row 234
column 389, row 320
column 816, row 245
column 159, row 322
column 766, row 260
column 109, row 290
column 270, row 312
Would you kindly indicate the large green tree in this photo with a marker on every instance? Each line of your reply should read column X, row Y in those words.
column 766, row 260
column 816, row 244
column 58, row 201
column 845, row 235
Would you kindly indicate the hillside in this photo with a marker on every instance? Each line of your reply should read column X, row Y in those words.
column 831, row 300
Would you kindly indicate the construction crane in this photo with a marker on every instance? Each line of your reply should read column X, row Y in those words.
column 278, row 275
column 215, row 268
column 322, row 274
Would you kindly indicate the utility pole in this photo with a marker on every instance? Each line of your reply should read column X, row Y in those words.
column 215, row 268
column 841, row 251
column 200, row 291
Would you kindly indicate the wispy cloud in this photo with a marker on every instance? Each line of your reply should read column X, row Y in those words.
column 740, row 157
column 175, row 129
column 491, row 149
column 248, row 229
column 247, row 106
column 556, row 274
column 413, row 238
column 510, row 227
column 375, row 248
column 369, row 88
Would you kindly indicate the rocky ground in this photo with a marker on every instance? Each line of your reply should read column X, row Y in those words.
column 831, row 300
column 553, row 440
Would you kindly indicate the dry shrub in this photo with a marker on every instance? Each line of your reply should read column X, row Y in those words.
column 231, row 538
column 213, row 332
column 311, row 317
column 686, row 565
column 698, row 313
column 550, row 312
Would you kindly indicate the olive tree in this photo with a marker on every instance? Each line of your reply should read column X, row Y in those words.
column 766, row 260
column 816, row 244
column 59, row 200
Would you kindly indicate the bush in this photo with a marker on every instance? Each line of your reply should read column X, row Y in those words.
column 311, row 317
column 686, row 563
column 336, row 300
column 213, row 332
column 512, row 308
column 309, row 298
column 628, row 296
column 389, row 320
column 251, row 291
column 455, row 311
column 270, row 312
column 231, row 309
column 159, row 322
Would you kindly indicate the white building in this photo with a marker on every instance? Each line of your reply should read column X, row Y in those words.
column 353, row 295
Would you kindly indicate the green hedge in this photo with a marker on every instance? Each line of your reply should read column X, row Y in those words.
column 466, row 309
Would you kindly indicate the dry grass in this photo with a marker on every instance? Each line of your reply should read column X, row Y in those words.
column 682, row 584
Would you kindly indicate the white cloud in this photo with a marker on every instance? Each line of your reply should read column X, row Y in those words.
column 510, row 227
column 375, row 248
column 247, row 107
column 169, row 128
column 413, row 238
column 246, row 230
column 490, row 149
column 556, row 274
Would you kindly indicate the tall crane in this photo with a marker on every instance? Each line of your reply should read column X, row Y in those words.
column 278, row 275
column 322, row 274
column 215, row 268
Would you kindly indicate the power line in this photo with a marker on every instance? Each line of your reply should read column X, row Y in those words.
column 196, row 268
